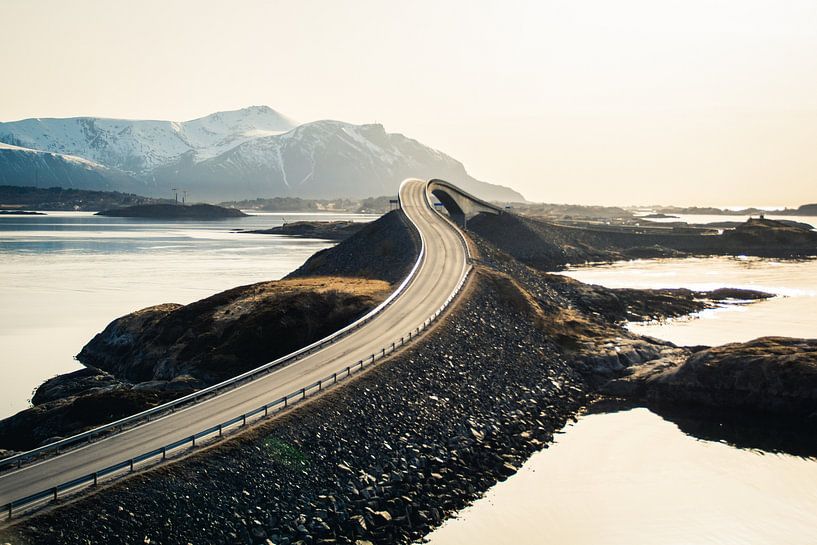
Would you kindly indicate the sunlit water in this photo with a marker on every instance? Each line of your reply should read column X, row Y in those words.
column 632, row 477
column 793, row 313
column 65, row 276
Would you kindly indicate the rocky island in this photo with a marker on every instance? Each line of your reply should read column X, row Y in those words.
column 174, row 212
column 328, row 230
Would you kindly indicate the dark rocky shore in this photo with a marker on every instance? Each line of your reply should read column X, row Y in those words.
column 328, row 230
column 773, row 376
column 390, row 455
column 174, row 211
column 548, row 247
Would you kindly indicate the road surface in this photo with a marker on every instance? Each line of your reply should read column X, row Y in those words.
column 436, row 278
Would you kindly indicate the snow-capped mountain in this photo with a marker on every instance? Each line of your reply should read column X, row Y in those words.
column 248, row 153
column 139, row 146
column 327, row 159
column 23, row 166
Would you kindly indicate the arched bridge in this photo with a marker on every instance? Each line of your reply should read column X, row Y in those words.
column 460, row 205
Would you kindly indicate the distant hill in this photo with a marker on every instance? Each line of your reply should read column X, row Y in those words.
column 29, row 167
column 242, row 154
column 58, row 198
column 807, row 210
column 174, row 212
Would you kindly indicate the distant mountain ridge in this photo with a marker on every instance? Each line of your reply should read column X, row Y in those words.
column 247, row 153
column 23, row 166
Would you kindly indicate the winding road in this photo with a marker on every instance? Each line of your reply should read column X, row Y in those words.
column 442, row 268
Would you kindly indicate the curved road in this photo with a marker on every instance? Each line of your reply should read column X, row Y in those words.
column 438, row 275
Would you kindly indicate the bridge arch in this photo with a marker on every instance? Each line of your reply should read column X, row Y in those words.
column 460, row 205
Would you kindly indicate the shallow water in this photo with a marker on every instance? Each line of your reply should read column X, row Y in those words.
column 66, row 275
column 632, row 478
column 793, row 313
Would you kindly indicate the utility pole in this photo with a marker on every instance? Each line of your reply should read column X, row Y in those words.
column 175, row 193
column 184, row 195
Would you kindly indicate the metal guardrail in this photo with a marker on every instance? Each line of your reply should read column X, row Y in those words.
column 161, row 454
column 211, row 391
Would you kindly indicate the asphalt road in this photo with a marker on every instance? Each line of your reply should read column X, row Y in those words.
column 435, row 280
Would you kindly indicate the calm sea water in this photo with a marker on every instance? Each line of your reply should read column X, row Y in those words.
column 66, row 275
column 634, row 478
column 791, row 313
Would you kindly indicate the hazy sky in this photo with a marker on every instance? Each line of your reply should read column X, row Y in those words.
column 586, row 101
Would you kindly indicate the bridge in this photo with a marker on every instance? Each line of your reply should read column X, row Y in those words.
column 64, row 467
column 461, row 206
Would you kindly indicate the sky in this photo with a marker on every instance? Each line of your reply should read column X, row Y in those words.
column 578, row 101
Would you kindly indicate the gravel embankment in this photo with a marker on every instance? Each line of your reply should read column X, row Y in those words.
column 383, row 459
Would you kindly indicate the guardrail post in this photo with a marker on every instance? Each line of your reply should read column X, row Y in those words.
column 131, row 465
column 320, row 385
column 55, row 493
column 11, row 506
column 384, row 352
column 335, row 377
column 360, row 364
column 244, row 419
column 348, row 371
column 96, row 478
column 303, row 393
column 193, row 439
column 266, row 410
column 286, row 401
column 220, row 431
column 164, row 450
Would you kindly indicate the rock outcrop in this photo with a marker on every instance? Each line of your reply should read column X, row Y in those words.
column 231, row 332
column 772, row 376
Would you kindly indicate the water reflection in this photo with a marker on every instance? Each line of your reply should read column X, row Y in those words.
column 631, row 477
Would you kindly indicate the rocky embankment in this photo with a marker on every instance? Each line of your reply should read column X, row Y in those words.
column 382, row 460
column 328, row 230
column 157, row 354
column 547, row 246
column 174, row 211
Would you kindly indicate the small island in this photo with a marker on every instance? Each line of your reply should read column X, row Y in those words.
column 21, row 213
column 330, row 230
column 174, row 211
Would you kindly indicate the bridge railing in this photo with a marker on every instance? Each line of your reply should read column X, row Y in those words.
column 160, row 454
column 117, row 426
